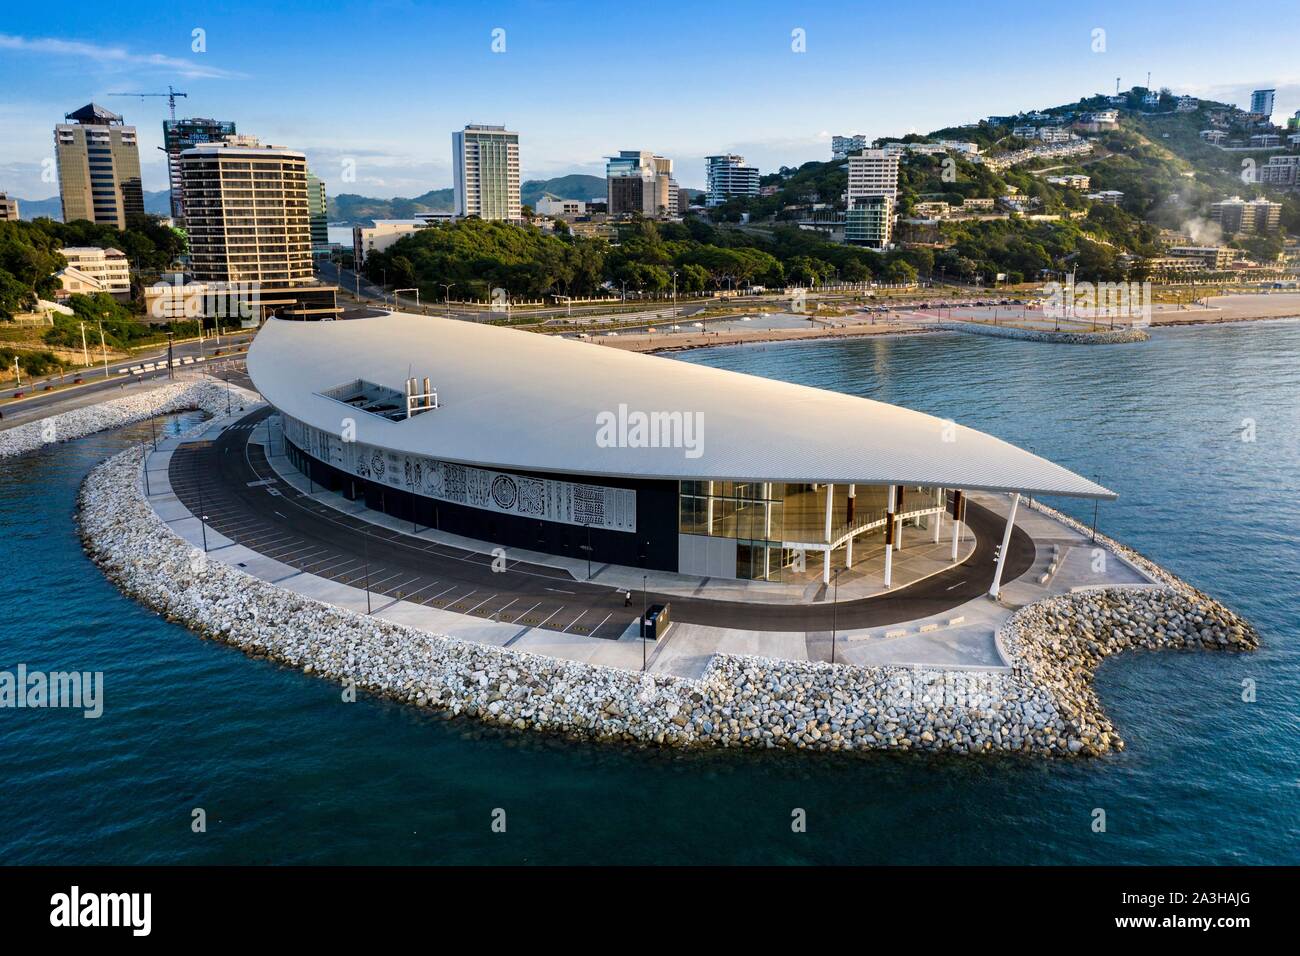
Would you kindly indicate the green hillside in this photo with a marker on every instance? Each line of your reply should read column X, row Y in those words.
column 352, row 209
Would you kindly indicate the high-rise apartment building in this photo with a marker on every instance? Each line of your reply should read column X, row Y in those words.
column 8, row 208
column 99, row 167
column 1261, row 102
column 318, row 212
column 249, row 222
column 178, row 136
column 1254, row 216
column 727, row 176
column 872, row 192
column 485, row 169
column 842, row 146
column 638, row 182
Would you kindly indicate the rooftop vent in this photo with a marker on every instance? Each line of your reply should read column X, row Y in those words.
column 385, row 402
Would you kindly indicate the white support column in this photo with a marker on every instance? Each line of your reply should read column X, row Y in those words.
column 830, row 508
column 937, row 519
column 826, row 565
column 848, row 520
column 709, row 510
column 889, row 551
column 848, row 552
column 1006, row 543
column 767, row 530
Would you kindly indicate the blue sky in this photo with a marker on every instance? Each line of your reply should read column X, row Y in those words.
column 383, row 83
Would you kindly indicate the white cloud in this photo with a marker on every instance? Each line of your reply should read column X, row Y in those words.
column 112, row 56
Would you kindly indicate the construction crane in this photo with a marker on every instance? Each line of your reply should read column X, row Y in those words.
column 171, row 95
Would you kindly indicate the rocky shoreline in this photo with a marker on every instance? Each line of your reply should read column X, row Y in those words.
column 1044, row 705
column 205, row 395
column 1109, row 337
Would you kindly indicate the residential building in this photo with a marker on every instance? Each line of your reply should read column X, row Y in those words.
column 318, row 213
column 1213, row 136
column 1150, row 98
column 1278, row 171
column 638, row 182
column 178, row 136
column 869, row 201
column 930, row 210
column 8, row 208
column 1252, row 217
column 1261, row 102
column 1108, row 197
column 1187, row 104
column 377, row 238
column 1025, row 132
column 249, row 222
column 1208, row 258
column 91, row 269
column 868, row 221
column 1265, row 140
column 727, row 176
column 99, row 167
column 1071, row 181
column 1054, row 134
column 485, row 168
column 683, row 201
column 842, row 146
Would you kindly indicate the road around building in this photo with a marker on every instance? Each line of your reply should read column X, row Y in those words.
column 232, row 483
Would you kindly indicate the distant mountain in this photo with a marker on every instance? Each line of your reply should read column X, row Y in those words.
column 156, row 203
column 573, row 186
column 353, row 210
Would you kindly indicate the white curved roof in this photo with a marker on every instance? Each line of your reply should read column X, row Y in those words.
column 523, row 401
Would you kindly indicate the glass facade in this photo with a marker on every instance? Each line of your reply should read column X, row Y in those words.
column 776, row 524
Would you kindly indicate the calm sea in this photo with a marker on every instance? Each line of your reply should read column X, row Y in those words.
column 286, row 772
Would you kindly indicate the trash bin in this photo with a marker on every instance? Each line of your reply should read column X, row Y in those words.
column 657, row 621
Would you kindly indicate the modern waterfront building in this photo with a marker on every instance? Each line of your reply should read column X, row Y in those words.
column 8, row 208
column 249, row 223
column 485, row 172
column 558, row 446
column 178, row 136
column 1261, row 102
column 727, row 176
column 842, row 146
column 318, row 214
column 638, row 182
column 869, row 202
column 98, row 157
column 1249, row 217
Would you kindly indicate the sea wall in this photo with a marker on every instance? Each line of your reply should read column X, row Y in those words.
column 1044, row 705
column 1108, row 337
column 205, row 394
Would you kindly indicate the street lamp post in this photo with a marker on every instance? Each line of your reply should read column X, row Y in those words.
column 587, row 547
column 203, row 518
column 447, row 294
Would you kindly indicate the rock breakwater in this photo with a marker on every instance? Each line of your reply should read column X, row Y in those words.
column 1045, row 704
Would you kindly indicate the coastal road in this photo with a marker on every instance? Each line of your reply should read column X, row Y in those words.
column 231, row 482
column 100, row 388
